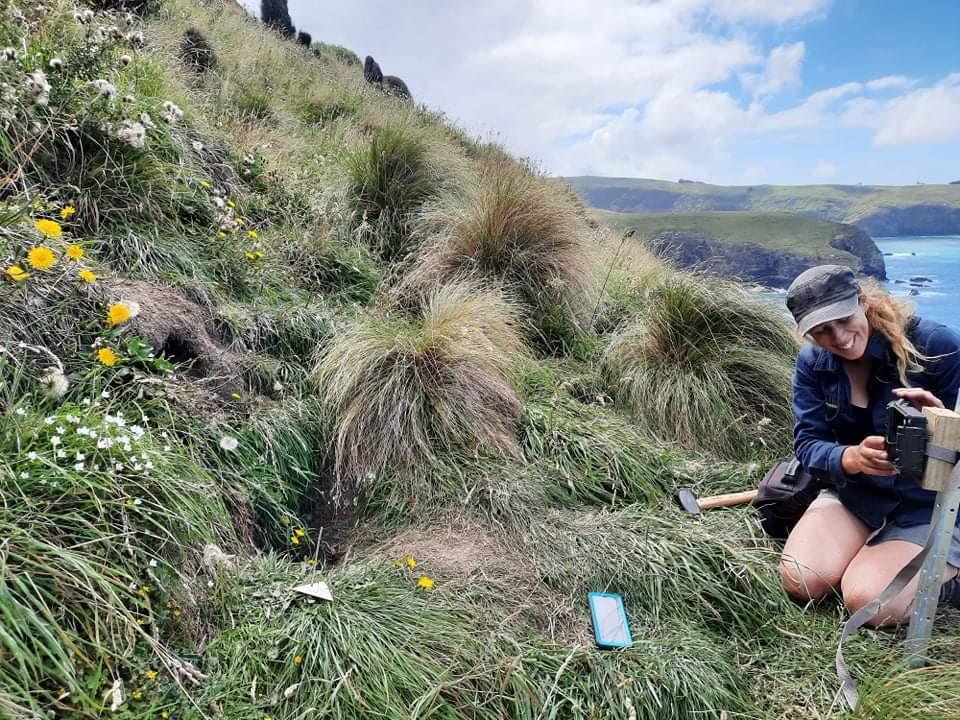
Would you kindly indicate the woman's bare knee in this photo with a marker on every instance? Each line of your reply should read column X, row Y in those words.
column 803, row 583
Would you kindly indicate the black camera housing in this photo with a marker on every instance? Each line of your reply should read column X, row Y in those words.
column 906, row 439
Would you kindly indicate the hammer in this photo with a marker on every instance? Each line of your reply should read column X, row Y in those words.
column 689, row 502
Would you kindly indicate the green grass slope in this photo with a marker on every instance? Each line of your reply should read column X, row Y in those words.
column 262, row 326
column 775, row 231
column 880, row 210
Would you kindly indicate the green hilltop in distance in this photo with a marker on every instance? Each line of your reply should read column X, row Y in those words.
column 770, row 248
column 879, row 210
column 263, row 325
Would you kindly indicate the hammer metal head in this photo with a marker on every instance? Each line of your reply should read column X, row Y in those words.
column 688, row 501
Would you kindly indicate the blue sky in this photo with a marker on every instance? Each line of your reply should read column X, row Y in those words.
column 724, row 91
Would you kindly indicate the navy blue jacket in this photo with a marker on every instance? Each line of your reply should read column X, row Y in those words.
column 825, row 423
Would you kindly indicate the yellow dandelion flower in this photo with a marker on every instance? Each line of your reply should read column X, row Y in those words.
column 411, row 562
column 240, row 221
column 204, row 184
column 397, row 564
column 36, row 204
column 299, row 533
column 294, row 539
column 41, row 258
column 284, row 520
column 235, row 395
column 151, row 674
column 74, row 252
column 221, row 234
column 50, row 228
column 141, row 621
column 425, row 582
column 17, row 273
column 118, row 313
column 136, row 694
column 87, row 276
column 298, row 659
column 165, row 715
column 252, row 233
column 250, row 256
column 177, row 613
column 231, row 203
column 68, row 212
column 107, row 357
column 311, row 562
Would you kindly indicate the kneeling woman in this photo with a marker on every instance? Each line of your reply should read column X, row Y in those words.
column 866, row 351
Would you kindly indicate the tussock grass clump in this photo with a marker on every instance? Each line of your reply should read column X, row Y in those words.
column 388, row 180
column 927, row 693
column 511, row 228
column 399, row 388
column 707, row 366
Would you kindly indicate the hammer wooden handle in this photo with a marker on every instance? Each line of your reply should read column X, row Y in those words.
column 728, row 500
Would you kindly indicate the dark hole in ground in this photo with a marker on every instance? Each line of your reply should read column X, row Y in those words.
column 182, row 351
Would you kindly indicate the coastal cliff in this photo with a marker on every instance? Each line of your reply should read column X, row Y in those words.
column 753, row 263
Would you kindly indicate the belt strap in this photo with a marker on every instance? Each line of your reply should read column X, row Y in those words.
column 941, row 453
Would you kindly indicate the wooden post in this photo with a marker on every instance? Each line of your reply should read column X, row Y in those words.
column 943, row 429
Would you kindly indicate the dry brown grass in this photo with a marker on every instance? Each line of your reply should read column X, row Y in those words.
column 510, row 228
column 399, row 388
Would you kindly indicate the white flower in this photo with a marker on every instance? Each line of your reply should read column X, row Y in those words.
column 38, row 87
column 138, row 501
column 85, row 401
column 167, row 448
column 105, row 443
column 171, row 113
column 24, row 475
column 78, row 466
column 148, row 465
column 60, row 430
column 104, row 87
column 55, row 63
column 54, row 383
column 133, row 134
column 55, row 440
column 80, row 456
column 229, row 443
column 136, row 431
column 73, row 419
column 210, row 583
column 20, row 411
column 105, row 394
column 61, row 454
column 153, row 562
column 118, row 467
column 146, row 120
column 50, row 420
column 32, row 455
column 197, row 145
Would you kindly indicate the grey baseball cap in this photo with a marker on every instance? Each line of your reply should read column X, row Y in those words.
column 821, row 294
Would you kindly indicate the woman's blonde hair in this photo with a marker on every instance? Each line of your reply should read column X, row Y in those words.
column 891, row 317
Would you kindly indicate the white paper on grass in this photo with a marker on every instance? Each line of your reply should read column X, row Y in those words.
column 317, row 590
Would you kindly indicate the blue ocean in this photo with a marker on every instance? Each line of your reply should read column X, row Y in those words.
column 926, row 271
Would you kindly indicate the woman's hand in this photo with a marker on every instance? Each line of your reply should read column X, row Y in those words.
column 869, row 457
column 919, row 397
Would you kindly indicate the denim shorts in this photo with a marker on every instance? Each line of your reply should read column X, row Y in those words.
column 916, row 534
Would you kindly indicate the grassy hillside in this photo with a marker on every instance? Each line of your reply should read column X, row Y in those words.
column 775, row 231
column 855, row 204
column 262, row 325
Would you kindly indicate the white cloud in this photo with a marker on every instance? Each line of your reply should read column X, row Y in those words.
column 782, row 70
column 890, row 82
column 927, row 115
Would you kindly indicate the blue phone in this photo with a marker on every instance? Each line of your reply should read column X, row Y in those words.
column 610, row 627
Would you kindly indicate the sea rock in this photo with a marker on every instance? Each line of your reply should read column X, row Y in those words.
column 920, row 279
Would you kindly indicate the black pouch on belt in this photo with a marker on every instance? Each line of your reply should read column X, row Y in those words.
column 785, row 493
